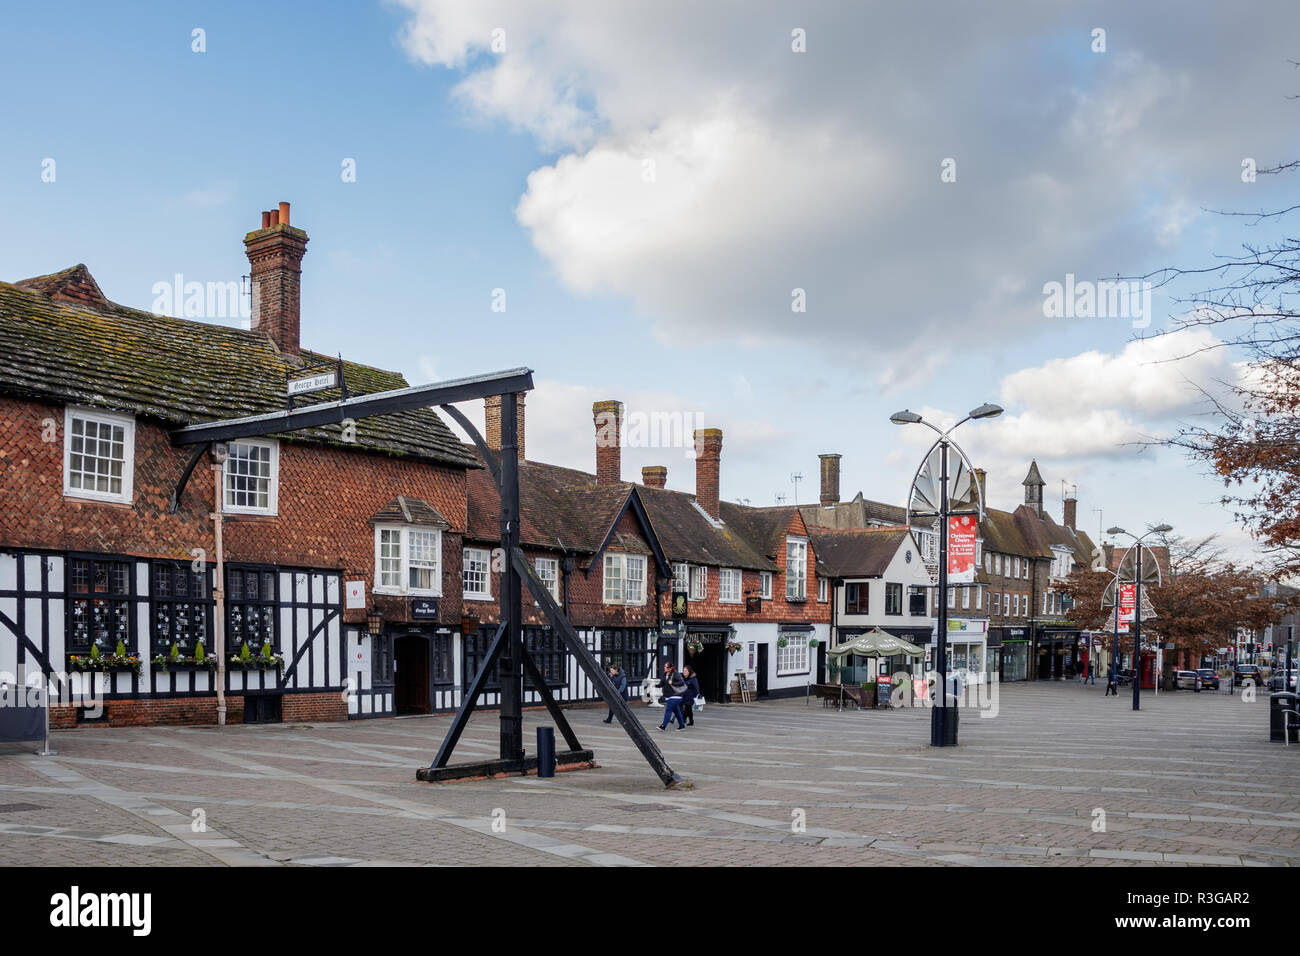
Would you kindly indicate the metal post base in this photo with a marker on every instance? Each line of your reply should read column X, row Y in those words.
column 943, row 727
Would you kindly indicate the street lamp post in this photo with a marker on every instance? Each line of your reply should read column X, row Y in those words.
column 1137, row 607
column 943, row 719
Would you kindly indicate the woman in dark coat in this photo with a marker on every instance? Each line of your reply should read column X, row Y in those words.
column 692, row 691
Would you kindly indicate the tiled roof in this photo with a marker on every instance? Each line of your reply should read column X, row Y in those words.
column 562, row 509
column 687, row 535
column 764, row 528
column 1074, row 539
column 410, row 511
column 61, row 343
column 859, row 552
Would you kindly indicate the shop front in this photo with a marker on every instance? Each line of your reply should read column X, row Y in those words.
column 1057, row 652
column 968, row 650
column 1013, row 653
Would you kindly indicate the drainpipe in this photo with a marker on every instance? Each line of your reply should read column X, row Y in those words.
column 219, row 590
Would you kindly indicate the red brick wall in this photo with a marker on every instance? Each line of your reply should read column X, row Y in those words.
column 777, row 609
column 200, row 711
column 326, row 497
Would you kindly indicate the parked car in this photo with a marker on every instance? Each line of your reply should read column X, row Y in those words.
column 1275, row 682
column 1247, row 672
column 1186, row 680
column 1208, row 677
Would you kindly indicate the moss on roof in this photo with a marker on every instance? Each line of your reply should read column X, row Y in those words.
column 181, row 372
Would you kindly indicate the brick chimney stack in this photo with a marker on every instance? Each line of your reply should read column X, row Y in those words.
column 654, row 476
column 1071, row 509
column 984, row 488
column 708, row 461
column 492, row 422
column 275, row 254
column 608, row 417
column 830, row 479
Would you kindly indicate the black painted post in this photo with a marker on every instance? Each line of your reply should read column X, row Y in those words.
column 943, row 720
column 1137, row 631
column 546, row 751
column 512, row 672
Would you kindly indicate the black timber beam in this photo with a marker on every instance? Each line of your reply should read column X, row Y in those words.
column 467, row 704
column 363, row 406
column 595, row 673
column 496, row 768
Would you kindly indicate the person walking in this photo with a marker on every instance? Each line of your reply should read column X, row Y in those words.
column 620, row 684
column 1110, row 682
column 692, row 691
column 673, row 686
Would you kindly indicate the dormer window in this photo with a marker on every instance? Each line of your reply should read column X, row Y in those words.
column 98, row 455
column 408, row 560
column 796, row 569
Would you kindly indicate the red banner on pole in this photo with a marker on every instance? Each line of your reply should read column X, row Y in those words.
column 1127, row 603
column 961, row 549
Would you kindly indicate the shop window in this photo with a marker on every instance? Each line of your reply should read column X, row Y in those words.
column 251, row 595
column 180, row 604
column 99, row 605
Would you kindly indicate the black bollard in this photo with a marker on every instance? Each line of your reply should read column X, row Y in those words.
column 546, row 751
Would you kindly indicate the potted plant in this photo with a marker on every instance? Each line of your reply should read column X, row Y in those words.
column 119, row 660
column 813, row 643
column 175, row 660
column 694, row 646
column 782, row 642
column 733, row 647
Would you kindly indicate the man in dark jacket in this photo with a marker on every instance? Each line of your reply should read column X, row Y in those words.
column 620, row 684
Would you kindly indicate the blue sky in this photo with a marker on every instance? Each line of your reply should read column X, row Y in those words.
column 776, row 170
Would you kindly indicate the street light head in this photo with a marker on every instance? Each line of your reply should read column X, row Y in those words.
column 1162, row 528
column 987, row 411
column 905, row 417
column 1116, row 530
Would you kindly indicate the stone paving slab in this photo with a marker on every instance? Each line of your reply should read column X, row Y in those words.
column 1061, row 777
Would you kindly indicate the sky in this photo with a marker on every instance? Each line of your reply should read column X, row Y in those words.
column 784, row 220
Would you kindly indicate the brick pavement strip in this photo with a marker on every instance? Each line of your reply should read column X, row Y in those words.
column 1062, row 776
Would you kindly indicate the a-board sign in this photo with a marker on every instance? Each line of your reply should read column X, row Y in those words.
column 743, row 679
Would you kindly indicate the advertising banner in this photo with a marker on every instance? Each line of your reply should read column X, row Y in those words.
column 1127, row 602
column 961, row 549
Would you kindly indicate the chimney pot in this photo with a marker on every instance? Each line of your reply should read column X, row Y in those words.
column 266, row 219
column 708, row 462
column 608, row 416
column 284, row 214
column 830, row 479
column 654, row 476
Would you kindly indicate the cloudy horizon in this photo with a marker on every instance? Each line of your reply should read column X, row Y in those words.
column 655, row 189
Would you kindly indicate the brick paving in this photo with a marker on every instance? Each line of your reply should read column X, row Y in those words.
column 1190, row 780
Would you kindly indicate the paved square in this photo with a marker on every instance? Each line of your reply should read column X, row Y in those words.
column 1190, row 780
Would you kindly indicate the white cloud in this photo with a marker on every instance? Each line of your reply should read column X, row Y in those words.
column 775, row 170
column 1156, row 377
